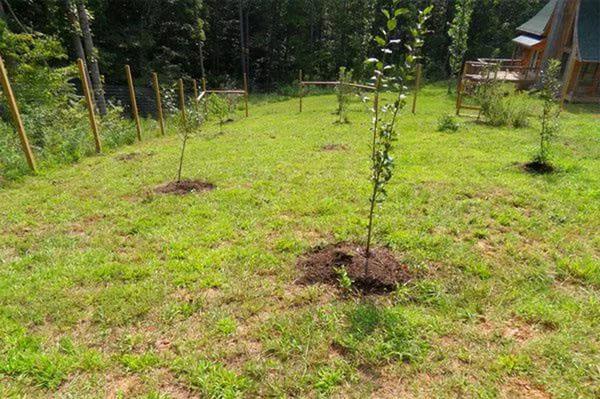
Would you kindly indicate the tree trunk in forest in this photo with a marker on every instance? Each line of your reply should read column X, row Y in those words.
column 247, row 42
column 92, row 59
column 75, row 32
column 75, row 29
column 242, row 36
column 2, row 13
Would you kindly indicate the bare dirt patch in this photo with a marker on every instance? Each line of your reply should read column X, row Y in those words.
column 538, row 168
column 334, row 147
column 520, row 389
column 323, row 265
column 185, row 187
column 133, row 156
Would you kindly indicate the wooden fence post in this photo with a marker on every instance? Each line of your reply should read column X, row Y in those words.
column 246, row 92
column 182, row 100
column 159, row 109
column 300, row 93
column 417, row 87
column 195, row 82
column 90, row 105
column 459, row 90
column 14, row 111
column 134, row 107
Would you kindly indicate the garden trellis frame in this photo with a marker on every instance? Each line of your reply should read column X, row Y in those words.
column 239, row 92
column 302, row 84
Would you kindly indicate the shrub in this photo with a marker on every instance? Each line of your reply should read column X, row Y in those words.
column 550, row 110
column 219, row 108
column 448, row 123
column 343, row 92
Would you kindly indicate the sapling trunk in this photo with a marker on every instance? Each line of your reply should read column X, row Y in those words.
column 183, row 145
column 385, row 117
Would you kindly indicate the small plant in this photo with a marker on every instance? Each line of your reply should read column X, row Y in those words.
column 550, row 111
column 190, row 124
column 448, row 123
column 389, row 76
column 219, row 108
column 343, row 92
column 344, row 279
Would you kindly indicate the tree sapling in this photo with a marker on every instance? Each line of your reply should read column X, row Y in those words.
column 389, row 76
column 459, row 34
column 343, row 91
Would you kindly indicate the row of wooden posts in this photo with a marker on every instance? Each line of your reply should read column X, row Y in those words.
column 302, row 84
column 18, row 121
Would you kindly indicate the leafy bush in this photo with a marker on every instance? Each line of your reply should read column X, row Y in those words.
column 448, row 123
column 54, row 117
column 343, row 92
column 219, row 108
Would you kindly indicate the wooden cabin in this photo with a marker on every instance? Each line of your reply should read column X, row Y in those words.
column 567, row 30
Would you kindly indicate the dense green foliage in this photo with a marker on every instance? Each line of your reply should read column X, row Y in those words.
column 54, row 116
column 458, row 32
column 317, row 36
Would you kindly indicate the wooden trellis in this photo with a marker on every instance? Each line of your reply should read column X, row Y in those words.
column 302, row 84
column 239, row 92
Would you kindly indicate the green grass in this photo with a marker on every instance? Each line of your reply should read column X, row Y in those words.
column 109, row 289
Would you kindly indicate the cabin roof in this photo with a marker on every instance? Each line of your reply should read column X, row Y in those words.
column 588, row 31
column 539, row 23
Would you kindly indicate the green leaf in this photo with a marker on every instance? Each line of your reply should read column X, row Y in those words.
column 380, row 40
column 392, row 24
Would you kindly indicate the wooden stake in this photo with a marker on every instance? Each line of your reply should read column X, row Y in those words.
column 195, row 90
column 459, row 90
column 134, row 107
column 90, row 105
column 161, row 121
column 300, row 89
column 14, row 111
column 417, row 87
column 246, row 92
column 203, row 84
column 182, row 100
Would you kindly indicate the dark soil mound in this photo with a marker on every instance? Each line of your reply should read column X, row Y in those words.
column 385, row 272
column 185, row 187
column 538, row 167
column 132, row 156
column 334, row 147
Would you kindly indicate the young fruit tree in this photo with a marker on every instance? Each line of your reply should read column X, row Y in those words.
column 343, row 92
column 190, row 124
column 389, row 76
column 459, row 34
column 219, row 108
column 550, row 112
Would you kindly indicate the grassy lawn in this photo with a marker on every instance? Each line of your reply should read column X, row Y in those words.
column 108, row 289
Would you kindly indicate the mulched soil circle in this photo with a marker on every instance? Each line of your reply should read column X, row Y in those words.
column 538, row 167
column 334, row 147
column 384, row 274
column 185, row 187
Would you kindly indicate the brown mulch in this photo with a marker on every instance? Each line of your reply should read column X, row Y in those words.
column 538, row 168
column 185, row 187
column 384, row 272
column 334, row 147
column 132, row 156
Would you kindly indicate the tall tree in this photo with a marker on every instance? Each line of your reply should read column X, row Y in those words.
column 92, row 56
column 459, row 33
